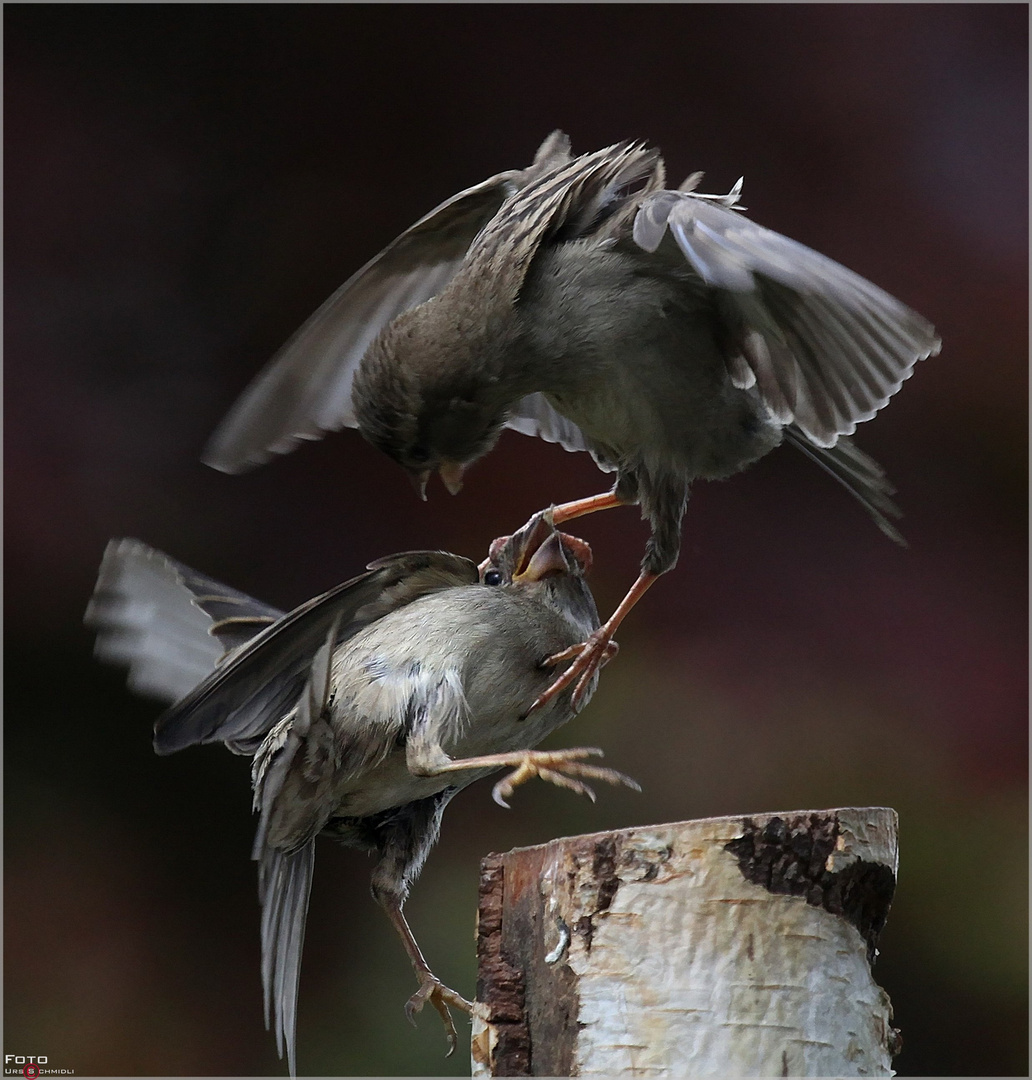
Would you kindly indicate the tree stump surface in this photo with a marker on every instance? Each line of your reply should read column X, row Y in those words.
column 727, row 946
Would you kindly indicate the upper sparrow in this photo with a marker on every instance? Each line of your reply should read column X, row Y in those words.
column 583, row 301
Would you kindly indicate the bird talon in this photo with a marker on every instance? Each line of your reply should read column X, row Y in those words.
column 561, row 657
column 587, row 659
column 558, row 767
column 433, row 990
column 415, row 1004
column 564, row 780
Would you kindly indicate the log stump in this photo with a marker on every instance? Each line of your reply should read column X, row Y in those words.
column 737, row 946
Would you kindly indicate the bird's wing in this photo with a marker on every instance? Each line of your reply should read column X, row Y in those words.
column 569, row 200
column 824, row 347
column 305, row 390
column 533, row 415
column 261, row 682
column 170, row 625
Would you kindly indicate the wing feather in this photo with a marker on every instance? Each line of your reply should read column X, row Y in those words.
column 833, row 348
column 533, row 415
column 305, row 389
column 261, row 683
column 170, row 625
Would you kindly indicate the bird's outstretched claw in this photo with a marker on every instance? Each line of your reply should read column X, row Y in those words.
column 433, row 990
column 559, row 767
column 587, row 658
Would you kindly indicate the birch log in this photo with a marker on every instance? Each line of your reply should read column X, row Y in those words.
column 724, row 947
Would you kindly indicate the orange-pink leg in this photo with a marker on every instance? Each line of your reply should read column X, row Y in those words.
column 559, row 767
column 565, row 512
column 599, row 648
column 590, row 655
column 580, row 507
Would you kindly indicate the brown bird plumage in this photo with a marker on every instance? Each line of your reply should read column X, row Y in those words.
column 366, row 709
column 582, row 301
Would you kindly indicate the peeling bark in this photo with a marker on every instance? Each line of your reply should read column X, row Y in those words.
column 729, row 946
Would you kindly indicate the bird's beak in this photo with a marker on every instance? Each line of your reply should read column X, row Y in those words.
column 579, row 549
column 419, row 480
column 451, row 474
column 547, row 561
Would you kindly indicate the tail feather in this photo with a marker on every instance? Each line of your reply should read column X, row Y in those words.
column 859, row 474
column 284, row 886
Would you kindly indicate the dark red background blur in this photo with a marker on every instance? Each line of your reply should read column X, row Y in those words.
column 185, row 184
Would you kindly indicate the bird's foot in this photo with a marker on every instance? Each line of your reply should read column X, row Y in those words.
column 441, row 997
column 587, row 658
column 559, row 767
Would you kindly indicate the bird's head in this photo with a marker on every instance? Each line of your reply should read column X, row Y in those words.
column 551, row 564
column 426, row 403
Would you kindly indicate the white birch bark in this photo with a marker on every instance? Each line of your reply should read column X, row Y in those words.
column 722, row 947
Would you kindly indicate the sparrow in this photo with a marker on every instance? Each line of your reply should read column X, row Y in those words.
column 365, row 710
column 583, row 301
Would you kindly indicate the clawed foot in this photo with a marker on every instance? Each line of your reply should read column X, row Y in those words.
column 588, row 658
column 559, row 767
column 433, row 990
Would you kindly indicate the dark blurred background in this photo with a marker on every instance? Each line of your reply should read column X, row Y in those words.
column 185, row 184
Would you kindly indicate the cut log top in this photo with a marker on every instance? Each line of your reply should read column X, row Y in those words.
column 727, row 946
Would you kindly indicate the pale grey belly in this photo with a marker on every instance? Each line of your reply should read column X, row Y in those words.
column 391, row 784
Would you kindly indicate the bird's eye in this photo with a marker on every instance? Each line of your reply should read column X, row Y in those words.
column 418, row 454
column 493, row 577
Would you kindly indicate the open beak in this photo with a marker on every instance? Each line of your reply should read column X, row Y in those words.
column 545, row 552
column 419, row 480
column 451, row 475
column 547, row 561
column 579, row 549
column 540, row 551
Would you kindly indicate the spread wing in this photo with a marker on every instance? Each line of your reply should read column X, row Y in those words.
column 168, row 624
column 824, row 347
column 305, row 390
column 241, row 701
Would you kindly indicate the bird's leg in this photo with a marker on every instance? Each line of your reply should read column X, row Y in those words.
column 430, row 987
column 565, row 512
column 591, row 654
column 559, row 767
column 580, row 507
column 599, row 648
